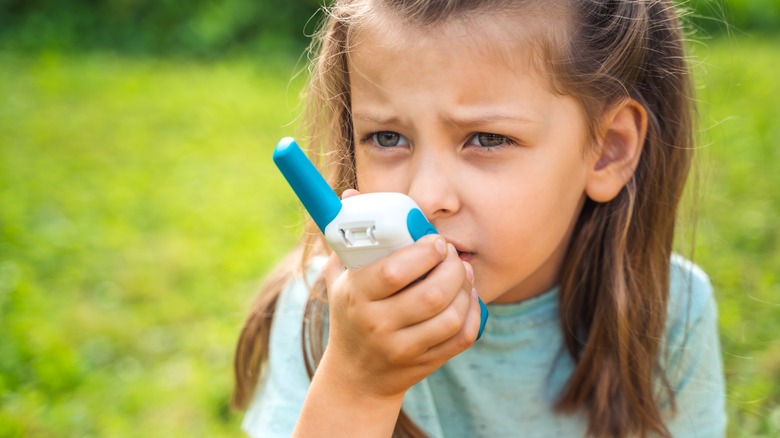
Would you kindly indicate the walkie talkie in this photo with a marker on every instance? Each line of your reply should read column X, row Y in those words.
column 362, row 228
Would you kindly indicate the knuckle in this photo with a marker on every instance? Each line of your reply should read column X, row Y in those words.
column 464, row 340
column 379, row 326
column 372, row 322
column 433, row 298
column 451, row 321
column 389, row 274
column 372, row 326
column 397, row 356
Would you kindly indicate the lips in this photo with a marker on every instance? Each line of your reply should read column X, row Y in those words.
column 463, row 253
column 465, row 256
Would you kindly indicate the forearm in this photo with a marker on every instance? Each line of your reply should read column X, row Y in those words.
column 332, row 408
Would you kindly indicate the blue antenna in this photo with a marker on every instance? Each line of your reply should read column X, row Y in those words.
column 317, row 197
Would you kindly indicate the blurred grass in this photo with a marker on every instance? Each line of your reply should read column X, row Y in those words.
column 139, row 208
column 138, row 211
column 737, row 239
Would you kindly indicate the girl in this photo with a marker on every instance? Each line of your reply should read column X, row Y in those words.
column 549, row 143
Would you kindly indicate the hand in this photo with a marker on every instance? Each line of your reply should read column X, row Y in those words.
column 389, row 326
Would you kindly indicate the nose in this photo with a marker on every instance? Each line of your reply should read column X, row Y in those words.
column 433, row 186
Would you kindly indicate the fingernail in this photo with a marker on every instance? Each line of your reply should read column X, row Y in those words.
column 441, row 247
column 469, row 271
column 452, row 249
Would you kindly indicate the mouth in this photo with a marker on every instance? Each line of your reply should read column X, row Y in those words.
column 463, row 253
column 465, row 256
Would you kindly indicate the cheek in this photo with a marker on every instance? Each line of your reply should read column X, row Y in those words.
column 364, row 182
column 368, row 175
column 361, row 171
column 554, row 207
column 530, row 219
column 373, row 180
column 379, row 176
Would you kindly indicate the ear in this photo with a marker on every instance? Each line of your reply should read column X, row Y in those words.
column 622, row 132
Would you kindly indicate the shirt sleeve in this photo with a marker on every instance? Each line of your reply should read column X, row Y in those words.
column 279, row 398
column 695, row 367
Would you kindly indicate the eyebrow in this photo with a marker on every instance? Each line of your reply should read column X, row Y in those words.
column 470, row 120
column 379, row 119
column 488, row 118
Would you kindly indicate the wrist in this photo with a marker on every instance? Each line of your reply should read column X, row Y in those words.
column 340, row 377
column 336, row 405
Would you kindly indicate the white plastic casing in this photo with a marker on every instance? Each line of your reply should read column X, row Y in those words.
column 369, row 227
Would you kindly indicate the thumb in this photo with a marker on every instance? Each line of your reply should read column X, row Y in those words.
column 349, row 193
column 333, row 269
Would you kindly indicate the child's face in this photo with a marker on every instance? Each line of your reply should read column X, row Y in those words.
column 461, row 122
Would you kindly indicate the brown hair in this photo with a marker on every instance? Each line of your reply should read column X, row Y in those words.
column 615, row 277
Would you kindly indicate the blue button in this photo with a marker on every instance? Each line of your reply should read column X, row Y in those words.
column 418, row 225
column 483, row 317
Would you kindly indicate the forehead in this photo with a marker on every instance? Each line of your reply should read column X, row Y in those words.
column 520, row 22
column 521, row 40
column 507, row 38
column 474, row 60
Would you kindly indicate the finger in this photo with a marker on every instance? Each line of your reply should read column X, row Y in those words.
column 439, row 329
column 348, row 193
column 461, row 340
column 386, row 276
column 430, row 296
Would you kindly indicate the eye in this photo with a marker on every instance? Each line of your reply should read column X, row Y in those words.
column 388, row 139
column 488, row 140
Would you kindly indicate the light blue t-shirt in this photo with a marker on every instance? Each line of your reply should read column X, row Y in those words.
column 506, row 384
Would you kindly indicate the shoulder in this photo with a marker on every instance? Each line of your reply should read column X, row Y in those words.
column 692, row 353
column 691, row 311
column 691, row 295
column 295, row 294
column 280, row 394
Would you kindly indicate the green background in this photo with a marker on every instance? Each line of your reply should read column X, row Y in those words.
column 139, row 208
